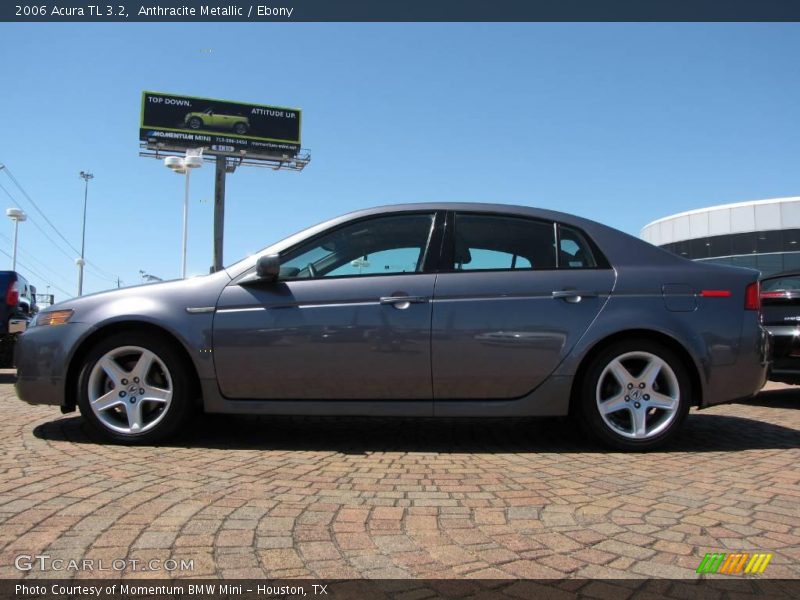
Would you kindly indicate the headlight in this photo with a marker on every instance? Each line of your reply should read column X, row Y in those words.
column 53, row 317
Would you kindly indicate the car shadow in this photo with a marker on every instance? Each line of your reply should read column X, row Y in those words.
column 361, row 435
column 8, row 377
column 783, row 398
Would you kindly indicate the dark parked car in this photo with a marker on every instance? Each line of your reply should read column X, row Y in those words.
column 780, row 297
column 451, row 310
column 18, row 304
column 17, row 307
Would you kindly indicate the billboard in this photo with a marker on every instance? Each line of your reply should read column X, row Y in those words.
column 219, row 125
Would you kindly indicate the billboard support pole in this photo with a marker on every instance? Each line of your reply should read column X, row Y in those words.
column 219, row 212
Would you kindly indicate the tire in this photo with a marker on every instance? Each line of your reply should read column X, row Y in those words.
column 635, row 395
column 240, row 128
column 195, row 123
column 155, row 398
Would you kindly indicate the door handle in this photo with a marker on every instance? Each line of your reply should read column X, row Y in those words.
column 402, row 302
column 573, row 296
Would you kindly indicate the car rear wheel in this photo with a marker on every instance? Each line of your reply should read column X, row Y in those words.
column 133, row 388
column 635, row 395
column 240, row 128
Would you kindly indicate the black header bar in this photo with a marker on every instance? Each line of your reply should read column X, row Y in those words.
column 399, row 10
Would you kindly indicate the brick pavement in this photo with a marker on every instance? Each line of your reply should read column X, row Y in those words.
column 340, row 498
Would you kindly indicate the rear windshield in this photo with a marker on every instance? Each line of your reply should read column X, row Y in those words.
column 781, row 284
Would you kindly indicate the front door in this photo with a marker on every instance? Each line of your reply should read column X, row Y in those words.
column 348, row 319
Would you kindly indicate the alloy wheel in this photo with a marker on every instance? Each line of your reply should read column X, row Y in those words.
column 638, row 395
column 130, row 390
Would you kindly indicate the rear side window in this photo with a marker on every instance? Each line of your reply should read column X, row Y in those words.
column 574, row 252
column 492, row 242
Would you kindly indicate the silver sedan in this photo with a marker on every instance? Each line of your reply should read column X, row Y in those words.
column 429, row 310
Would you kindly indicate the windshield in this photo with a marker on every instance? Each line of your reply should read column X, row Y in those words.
column 249, row 261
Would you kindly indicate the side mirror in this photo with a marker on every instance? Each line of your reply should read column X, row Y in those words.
column 268, row 267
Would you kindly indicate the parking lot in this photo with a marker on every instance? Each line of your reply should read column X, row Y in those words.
column 342, row 498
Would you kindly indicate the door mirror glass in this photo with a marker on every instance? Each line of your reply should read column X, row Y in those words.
column 268, row 267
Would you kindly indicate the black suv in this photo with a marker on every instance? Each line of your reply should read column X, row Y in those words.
column 17, row 307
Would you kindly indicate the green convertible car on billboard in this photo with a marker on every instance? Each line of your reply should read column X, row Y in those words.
column 208, row 118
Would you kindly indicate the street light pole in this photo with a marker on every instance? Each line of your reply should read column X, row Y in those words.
column 16, row 215
column 185, row 223
column 86, row 176
column 14, row 253
column 184, row 166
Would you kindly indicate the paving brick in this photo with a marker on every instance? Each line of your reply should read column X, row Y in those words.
column 454, row 500
column 387, row 512
column 623, row 549
column 561, row 562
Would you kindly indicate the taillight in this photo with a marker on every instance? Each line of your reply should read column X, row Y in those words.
column 774, row 295
column 752, row 297
column 12, row 294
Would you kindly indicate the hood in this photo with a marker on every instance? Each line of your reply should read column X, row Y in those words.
column 196, row 289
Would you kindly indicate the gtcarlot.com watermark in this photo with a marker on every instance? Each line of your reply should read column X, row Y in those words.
column 44, row 562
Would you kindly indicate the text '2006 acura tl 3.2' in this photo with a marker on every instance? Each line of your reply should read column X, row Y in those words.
column 429, row 310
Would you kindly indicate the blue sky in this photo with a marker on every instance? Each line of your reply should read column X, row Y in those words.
column 622, row 123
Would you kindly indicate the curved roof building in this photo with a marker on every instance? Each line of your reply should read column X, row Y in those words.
column 761, row 234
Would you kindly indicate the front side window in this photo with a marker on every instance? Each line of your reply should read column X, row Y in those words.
column 498, row 242
column 378, row 246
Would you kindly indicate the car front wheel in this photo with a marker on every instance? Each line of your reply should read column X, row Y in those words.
column 133, row 388
column 195, row 123
column 635, row 395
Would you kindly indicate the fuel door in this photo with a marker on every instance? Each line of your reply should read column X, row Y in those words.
column 679, row 297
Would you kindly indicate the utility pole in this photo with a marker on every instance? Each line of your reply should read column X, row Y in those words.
column 86, row 176
column 219, row 211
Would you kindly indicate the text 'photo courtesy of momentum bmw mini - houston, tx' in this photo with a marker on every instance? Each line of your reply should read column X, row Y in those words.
column 427, row 310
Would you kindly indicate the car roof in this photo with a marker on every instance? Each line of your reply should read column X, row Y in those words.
column 616, row 244
column 512, row 209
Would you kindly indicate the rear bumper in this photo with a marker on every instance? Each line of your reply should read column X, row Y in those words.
column 744, row 377
column 785, row 353
column 17, row 325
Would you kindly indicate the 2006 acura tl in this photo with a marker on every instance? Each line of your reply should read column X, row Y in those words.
column 414, row 310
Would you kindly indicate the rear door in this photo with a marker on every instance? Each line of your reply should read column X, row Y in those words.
column 508, row 307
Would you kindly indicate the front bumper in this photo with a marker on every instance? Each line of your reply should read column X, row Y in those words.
column 42, row 356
